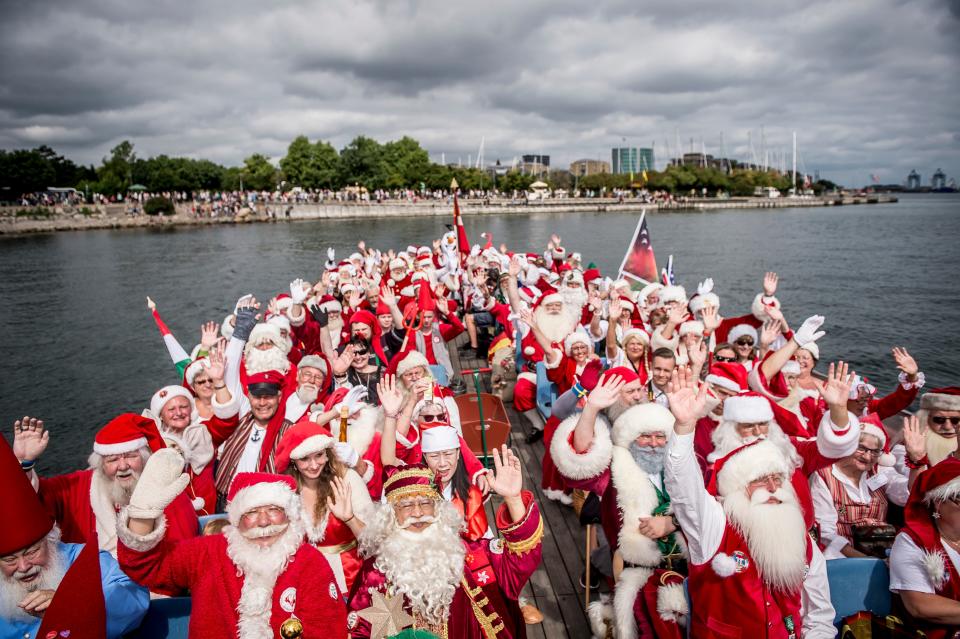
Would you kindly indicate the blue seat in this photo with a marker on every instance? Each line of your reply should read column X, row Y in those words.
column 203, row 519
column 546, row 391
column 686, row 594
column 858, row 583
column 165, row 619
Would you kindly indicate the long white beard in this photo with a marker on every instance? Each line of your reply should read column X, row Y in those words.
column 775, row 534
column 726, row 439
column 335, row 328
column 260, row 567
column 261, row 361
column 13, row 591
column 555, row 327
column 573, row 299
column 939, row 447
column 118, row 495
column 307, row 393
column 425, row 567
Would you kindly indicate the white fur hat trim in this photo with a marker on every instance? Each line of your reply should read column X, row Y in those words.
column 439, row 438
column 640, row 419
column 741, row 330
column 412, row 360
column 165, row 394
column 311, row 445
column 263, row 494
column 751, row 409
column 691, row 328
column 673, row 294
column 753, row 462
column 575, row 338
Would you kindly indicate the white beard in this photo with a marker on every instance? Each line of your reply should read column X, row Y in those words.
column 117, row 494
column 775, row 534
column 425, row 567
column 307, row 393
column 260, row 568
column 726, row 440
column 261, row 361
column 573, row 299
column 556, row 327
column 335, row 328
column 939, row 447
column 13, row 591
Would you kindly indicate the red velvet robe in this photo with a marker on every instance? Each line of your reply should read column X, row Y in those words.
column 203, row 567
column 494, row 573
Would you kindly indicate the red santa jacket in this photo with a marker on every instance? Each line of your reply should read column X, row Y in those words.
column 741, row 604
column 495, row 571
column 306, row 588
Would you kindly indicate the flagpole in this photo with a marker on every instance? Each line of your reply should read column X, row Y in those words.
column 633, row 240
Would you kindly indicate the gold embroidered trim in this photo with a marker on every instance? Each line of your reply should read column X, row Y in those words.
column 399, row 493
column 526, row 545
column 516, row 525
column 336, row 550
column 491, row 624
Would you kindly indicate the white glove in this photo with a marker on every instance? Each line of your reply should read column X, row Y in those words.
column 346, row 453
column 706, row 286
column 331, row 254
column 353, row 400
column 475, row 251
column 160, row 483
column 298, row 291
column 808, row 331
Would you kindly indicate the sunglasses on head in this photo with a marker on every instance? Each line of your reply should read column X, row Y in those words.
column 721, row 358
column 940, row 421
column 744, row 341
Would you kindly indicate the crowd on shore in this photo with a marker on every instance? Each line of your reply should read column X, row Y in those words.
column 323, row 425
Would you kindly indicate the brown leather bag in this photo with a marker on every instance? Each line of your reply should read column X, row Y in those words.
column 874, row 539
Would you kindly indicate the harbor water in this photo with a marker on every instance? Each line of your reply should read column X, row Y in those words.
column 79, row 345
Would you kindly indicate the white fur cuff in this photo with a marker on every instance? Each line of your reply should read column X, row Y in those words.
column 140, row 543
column 834, row 443
column 672, row 603
column 588, row 464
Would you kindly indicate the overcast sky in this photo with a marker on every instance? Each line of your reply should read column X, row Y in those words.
column 870, row 87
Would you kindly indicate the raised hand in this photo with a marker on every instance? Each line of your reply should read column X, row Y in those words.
column 710, row 316
column 526, row 316
column 677, row 314
column 299, row 290
column 30, row 438
column 905, row 361
column 161, row 481
column 443, row 305
column 151, row 304
column 507, row 480
column 836, row 390
column 390, row 396
column 615, row 309
column 698, row 354
column 362, row 246
column 686, row 401
column 556, row 240
column 339, row 502
column 387, row 296
column 914, row 438
column 208, row 335
column 514, row 268
column 770, row 332
column 436, row 245
column 331, row 254
column 770, row 281
column 214, row 365
column 606, row 393
column 808, row 330
column 354, row 398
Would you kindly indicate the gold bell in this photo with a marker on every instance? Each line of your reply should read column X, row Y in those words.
column 292, row 628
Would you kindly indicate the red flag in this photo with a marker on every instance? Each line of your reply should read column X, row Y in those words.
column 463, row 245
column 78, row 610
column 639, row 263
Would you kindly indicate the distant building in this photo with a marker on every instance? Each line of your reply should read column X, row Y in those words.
column 913, row 181
column 534, row 164
column 939, row 180
column 645, row 159
column 589, row 167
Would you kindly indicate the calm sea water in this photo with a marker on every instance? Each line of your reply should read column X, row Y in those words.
column 79, row 345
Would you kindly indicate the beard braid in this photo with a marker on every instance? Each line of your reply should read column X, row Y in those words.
column 307, row 393
column 13, row 591
column 555, row 327
column 272, row 359
column 649, row 458
column 775, row 534
column 939, row 447
column 425, row 567
column 260, row 567
column 573, row 300
column 726, row 439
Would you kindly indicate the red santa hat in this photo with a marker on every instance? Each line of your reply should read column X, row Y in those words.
column 382, row 308
column 945, row 398
column 329, row 303
column 745, row 464
column 265, row 383
column 729, row 375
column 78, row 610
column 749, row 408
column 165, row 394
column 642, row 418
column 742, row 330
column 673, row 293
column 699, row 302
column 363, row 316
column 574, row 338
column 932, row 487
column 283, row 302
column 414, row 480
column 871, row 425
column 29, row 520
column 253, row 490
column 438, row 438
column 300, row 440
column 860, row 384
column 194, row 369
column 411, row 360
column 550, row 298
column 126, row 433
column 626, row 374
column 397, row 263
column 591, row 275
column 691, row 327
column 573, row 276
column 626, row 305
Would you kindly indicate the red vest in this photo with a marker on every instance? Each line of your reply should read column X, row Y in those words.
column 850, row 512
column 740, row 605
column 949, row 588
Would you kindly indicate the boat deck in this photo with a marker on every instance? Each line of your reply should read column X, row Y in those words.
column 555, row 586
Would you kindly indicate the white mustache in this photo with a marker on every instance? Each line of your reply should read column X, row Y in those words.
column 265, row 531
column 423, row 519
column 26, row 574
column 761, row 496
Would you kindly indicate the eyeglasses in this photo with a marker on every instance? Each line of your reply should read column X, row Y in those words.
column 721, row 358
column 760, row 482
column 872, row 452
column 940, row 421
column 429, row 418
column 744, row 341
column 313, row 378
column 272, row 512
column 30, row 554
column 360, row 353
column 113, row 459
column 407, row 507
column 202, row 382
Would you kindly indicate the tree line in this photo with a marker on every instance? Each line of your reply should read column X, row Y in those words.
column 363, row 162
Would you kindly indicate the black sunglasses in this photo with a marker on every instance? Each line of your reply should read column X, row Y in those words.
column 940, row 421
column 430, row 418
column 744, row 342
column 721, row 358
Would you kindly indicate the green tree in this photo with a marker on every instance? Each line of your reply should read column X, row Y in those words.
column 405, row 163
column 361, row 162
column 23, row 171
column 258, row 174
column 310, row 166
column 116, row 172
